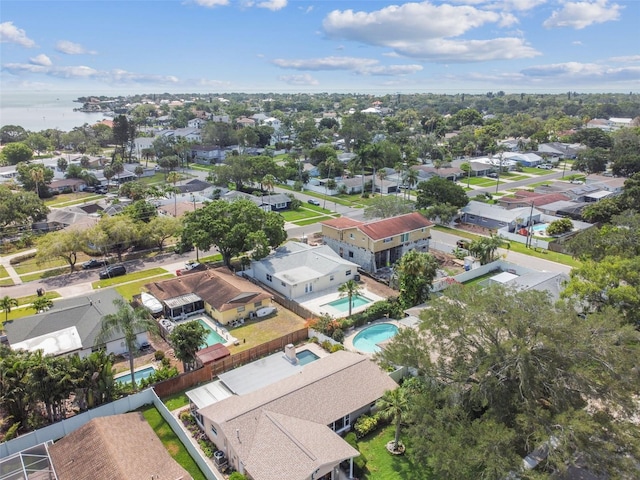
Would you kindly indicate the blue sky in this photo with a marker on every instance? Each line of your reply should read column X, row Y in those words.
column 367, row 46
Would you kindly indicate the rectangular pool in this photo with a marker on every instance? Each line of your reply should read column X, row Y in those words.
column 306, row 356
column 540, row 227
column 140, row 374
column 342, row 304
column 213, row 337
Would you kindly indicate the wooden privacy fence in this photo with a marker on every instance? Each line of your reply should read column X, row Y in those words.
column 206, row 373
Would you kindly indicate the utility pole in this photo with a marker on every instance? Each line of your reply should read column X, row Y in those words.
column 499, row 171
column 530, row 228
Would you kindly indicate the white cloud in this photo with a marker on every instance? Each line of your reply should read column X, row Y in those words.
column 273, row 5
column 41, row 59
column 576, row 71
column 427, row 31
column 361, row 66
column 71, row 48
column 9, row 33
column 576, row 42
column 81, row 71
column 626, row 59
column 212, row 3
column 304, row 79
column 579, row 15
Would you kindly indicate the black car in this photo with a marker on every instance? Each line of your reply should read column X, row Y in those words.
column 94, row 263
column 112, row 271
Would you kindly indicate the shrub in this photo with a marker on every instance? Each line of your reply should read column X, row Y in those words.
column 12, row 432
column 559, row 227
column 326, row 345
column 336, row 347
column 338, row 335
column 365, row 425
column 360, row 462
column 158, row 355
column 206, row 447
column 166, row 363
column 237, row 476
column 21, row 258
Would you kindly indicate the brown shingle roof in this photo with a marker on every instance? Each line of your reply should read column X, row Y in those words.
column 324, row 391
column 379, row 229
column 537, row 199
column 114, row 448
column 220, row 288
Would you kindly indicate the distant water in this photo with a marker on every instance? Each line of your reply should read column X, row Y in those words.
column 36, row 111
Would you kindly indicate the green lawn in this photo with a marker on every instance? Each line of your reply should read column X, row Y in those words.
column 70, row 198
column 513, row 177
column 109, row 282
column 311, row 221
column 479, row 181
column 31, row 265
column 175, row 401
column 53, row 272
column 128, row 290
column 3, row 272
column 258, row 332
column 212, row 258
column 172, row 443
column 24, row 309
column 6, row 282
column 381, row 465
column 300, row 214
column 536, row 171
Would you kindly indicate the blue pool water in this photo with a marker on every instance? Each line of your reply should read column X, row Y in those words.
column 342, row 304
column 367, row 340
column 540, row 227
column 138, row 375
column 212, row 336
column 306, row 356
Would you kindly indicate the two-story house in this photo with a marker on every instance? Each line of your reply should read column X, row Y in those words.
column 378, row 243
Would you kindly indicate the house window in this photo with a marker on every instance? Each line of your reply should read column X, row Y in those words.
column 331, row 278
column 387, row 240
column 351, row 236
column 404, row 237
column 350, row 254
column 241, row 309
column 283, row 284
column 347, row 273
column 269, row 277
column 214, row 431
column 257, row 304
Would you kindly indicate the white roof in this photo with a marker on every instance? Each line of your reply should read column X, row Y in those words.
column 209, row 394
column 150, row 302
column 54, row 343
column 504, row 277
column 599, row 194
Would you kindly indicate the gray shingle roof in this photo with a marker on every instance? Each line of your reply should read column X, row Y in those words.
column 497, row 213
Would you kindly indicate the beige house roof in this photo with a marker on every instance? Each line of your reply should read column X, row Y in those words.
column 297, row 410
column 114, row 448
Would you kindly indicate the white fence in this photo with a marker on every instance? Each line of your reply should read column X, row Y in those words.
column 122, row 405
column 468, row 275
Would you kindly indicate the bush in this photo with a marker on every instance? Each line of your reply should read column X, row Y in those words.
column 158, row 355
column 365, row 424
column 237, row 476
column 360, row 462
column 381, row 309
column 22, row 258
column 338, row 335
column 336, row 347
column 206, row 447
column 326, row 345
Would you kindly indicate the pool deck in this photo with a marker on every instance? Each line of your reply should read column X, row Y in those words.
column 348, row 339
column 317, row 302
column 219, row 329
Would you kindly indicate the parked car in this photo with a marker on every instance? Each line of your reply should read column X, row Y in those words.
column 89, row 189
column 93, row 263
column 102, row 190
column 492, row 175
column 313, row 202
column 112, row 271
column 545, row 166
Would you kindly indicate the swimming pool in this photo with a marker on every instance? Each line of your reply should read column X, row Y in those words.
column 342, row 304
column 306, row 356
column 540, row 227
column 139, row 374
column 367, row 340
column 213, row 337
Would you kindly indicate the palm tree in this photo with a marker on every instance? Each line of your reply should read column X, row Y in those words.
column 174, row 177
column 349, row 289
column 37, row 175
column 392, row 406
column 6, row 304
column 411, row 179
column 129, row 322
column 382, row 174
column 485, row 248
column 41, row 304
column 269, row 182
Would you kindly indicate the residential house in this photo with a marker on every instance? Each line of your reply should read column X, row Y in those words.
column 524, row 198
column 614, row 185
column 528, row 159
column 558, row 150
column 223, row 295
column 207, row 154
column 77, row 216
column 426, row 172
column 67, row 185
column 297, row 269
column 245, row 122
column 197, row 123
column 495, row 217
column 71, row 326
column 378, row 243
column 274, row 202
column 117, row 446
column 196, row 185
column 552, row 283
column 289, row 429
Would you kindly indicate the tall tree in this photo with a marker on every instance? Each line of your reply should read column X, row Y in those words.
column 438, row 190
column 118, row 234
column 187, row 338
column 349, row 289
column 174, row 177
column 393, row 405
column 14, row 153
column 232, row 227
column 65, row 244
column 514, row 371
column 129, row 322
column 385, row 206
column 415, row 272
column 20, row 208
column 6, row 304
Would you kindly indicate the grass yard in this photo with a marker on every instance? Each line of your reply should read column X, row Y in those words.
column 381, row 465
column 70, row 198
column 301, row 214
column 24, row 306
column 311, row 221
column 480, row 181
column 175, row 401
column 53, row 272
column 512, row 177
column 536, row 171
column 257, row 332
column 128, row 290
column 31, row 265
column 158, row 177
column 109, row 282
column 3, row 272
column 172, row 443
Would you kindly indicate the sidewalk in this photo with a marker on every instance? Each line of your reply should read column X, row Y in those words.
column 5, row 261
